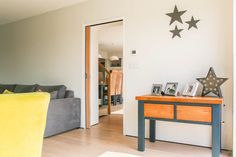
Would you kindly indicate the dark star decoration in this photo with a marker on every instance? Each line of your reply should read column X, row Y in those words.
column 176, row 32
column 212, row 83
column 192, row 23
column 176, row 15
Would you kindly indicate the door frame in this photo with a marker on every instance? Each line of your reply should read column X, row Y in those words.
column 87, row 68
column 87, row 75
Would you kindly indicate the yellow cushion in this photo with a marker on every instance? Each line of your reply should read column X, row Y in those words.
column 7, row 92
column 22, row 124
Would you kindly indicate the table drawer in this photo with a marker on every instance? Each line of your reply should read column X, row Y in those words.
column 194, row 113
column 159, row 111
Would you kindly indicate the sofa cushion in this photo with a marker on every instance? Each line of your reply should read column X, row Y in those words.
column 61, row 90
column 24, row 88
column 3, row 87
column 69, row 94
column 53, row 95
column 7, row 92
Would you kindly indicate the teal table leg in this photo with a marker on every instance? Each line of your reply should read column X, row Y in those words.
column 152, row 131
column 216, row 130
column 141, row 126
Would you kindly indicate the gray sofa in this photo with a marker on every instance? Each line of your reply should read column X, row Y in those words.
column 64, row 111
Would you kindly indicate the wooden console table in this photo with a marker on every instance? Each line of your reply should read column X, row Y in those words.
column 194, row 110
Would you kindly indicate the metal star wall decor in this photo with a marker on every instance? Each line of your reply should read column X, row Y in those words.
column 176, row 32
column 212, row 83
column 192, row 23
column 176, row 15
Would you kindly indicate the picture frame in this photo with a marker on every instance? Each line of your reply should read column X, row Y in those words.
column 171, row 88
column 190, row 89
column 156, row 89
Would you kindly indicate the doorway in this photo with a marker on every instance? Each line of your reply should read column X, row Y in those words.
column 104, row 71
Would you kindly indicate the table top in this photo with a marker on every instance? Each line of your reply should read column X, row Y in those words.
column 183, row 99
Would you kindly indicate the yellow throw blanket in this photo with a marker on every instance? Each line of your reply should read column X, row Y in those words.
column 22, row 124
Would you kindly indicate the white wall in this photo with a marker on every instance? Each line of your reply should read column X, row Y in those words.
column 234, row 74
column 111, row 37
column 104, row 54
column 49, row 49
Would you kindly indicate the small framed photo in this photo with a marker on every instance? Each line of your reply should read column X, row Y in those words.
column 156, row 89
column 171, row 88
column 190, row 89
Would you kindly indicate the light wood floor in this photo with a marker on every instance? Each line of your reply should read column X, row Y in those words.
column 107, row 136
column 103, row 109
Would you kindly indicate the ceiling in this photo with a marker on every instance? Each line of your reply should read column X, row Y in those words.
column 14, row 10
column 110, row 37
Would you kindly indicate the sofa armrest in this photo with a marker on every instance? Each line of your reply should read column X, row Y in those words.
column 63, row 115
column 69, row 94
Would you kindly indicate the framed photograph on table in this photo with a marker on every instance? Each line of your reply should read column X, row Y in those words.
column 190, row 89
column 156, row 89
column 171, row 88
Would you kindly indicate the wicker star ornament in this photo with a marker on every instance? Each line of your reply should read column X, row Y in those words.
column 211, row 83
